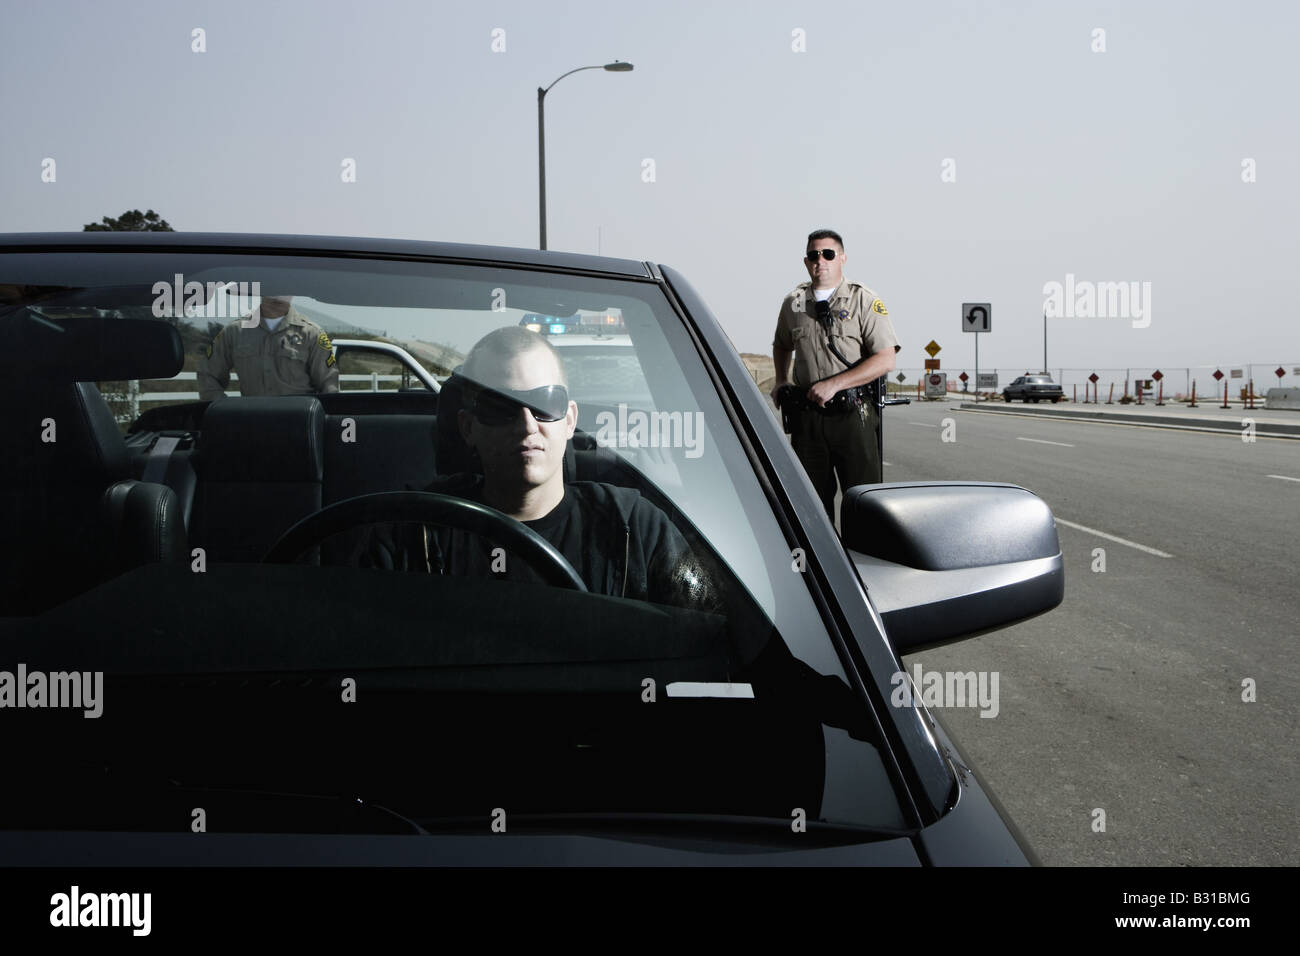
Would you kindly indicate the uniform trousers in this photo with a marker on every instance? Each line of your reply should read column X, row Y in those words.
column 842, row 446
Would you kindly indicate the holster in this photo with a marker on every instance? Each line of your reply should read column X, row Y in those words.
column 789, row 400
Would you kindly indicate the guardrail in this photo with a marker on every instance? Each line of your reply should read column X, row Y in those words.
column 1117, row 382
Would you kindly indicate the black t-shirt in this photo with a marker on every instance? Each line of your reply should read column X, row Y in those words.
column 465, row 553
column 619, row 542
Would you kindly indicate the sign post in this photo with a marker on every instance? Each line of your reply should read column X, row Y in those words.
column 977, row 317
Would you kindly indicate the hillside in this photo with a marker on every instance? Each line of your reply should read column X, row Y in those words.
column 760, row 369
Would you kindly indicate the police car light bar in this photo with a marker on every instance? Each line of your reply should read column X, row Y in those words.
column 601, row 324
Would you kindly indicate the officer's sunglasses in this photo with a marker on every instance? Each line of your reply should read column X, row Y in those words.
column 827, row 254
column 549, row 403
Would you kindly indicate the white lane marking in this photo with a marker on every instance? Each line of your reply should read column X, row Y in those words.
column 687, row 688
column 923, row 425
column 888, row 464
column 1154, row 425
column 1044, row 441
column 37, row 318
column 1111, row 537
column 1283, row 477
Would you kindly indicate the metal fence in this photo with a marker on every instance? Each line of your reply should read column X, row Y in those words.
column 1115, row 383
column 125, row 403
column 1112, row 383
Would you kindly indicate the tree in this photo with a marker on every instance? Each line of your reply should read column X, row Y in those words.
column 131, row 221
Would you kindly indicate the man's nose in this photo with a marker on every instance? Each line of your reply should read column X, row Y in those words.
column 530, row 423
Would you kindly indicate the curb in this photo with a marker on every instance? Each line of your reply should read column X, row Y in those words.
column 1218, row 426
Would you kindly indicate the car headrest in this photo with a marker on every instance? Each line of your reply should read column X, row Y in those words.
column 278, row 438
column 451, row 455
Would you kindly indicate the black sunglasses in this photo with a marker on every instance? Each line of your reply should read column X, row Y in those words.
column 827, row 254
column 549, row 403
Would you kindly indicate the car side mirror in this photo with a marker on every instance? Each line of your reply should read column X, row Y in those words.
column 947, row 560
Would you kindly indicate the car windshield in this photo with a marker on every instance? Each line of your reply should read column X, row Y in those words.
column 719, row 692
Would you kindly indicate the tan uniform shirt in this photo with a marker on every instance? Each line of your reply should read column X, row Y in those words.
column 296, row 359
column 860, row 327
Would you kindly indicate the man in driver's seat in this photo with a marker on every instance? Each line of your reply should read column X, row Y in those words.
column 517, row 420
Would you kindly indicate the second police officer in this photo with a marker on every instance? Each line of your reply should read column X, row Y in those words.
column 275, row 351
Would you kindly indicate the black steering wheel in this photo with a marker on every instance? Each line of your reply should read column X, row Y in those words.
column 423, row 507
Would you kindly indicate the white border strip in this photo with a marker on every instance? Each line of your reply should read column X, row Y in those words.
column 686, row 688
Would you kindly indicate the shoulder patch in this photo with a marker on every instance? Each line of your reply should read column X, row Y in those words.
column 878, row 307
column 324, row 341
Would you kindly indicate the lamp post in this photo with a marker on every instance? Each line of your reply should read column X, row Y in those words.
column 615, row 67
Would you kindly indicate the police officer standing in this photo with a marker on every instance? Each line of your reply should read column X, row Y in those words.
column 276, row 351
column 840, row 337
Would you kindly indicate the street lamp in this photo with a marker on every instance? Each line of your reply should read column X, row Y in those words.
column 615, row 67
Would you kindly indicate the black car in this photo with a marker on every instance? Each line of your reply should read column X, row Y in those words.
column 186, row 645
column 1033, row 388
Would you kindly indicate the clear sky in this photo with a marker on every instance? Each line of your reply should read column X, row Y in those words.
column 763, row 121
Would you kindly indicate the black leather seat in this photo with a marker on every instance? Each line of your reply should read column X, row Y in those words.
column 260, row 468
column 71, row 514
column 144, row 523
column 164, row 458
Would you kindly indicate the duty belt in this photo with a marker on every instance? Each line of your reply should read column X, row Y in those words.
column 795, row 398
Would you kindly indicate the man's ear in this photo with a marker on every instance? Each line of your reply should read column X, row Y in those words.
column 571, row 420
